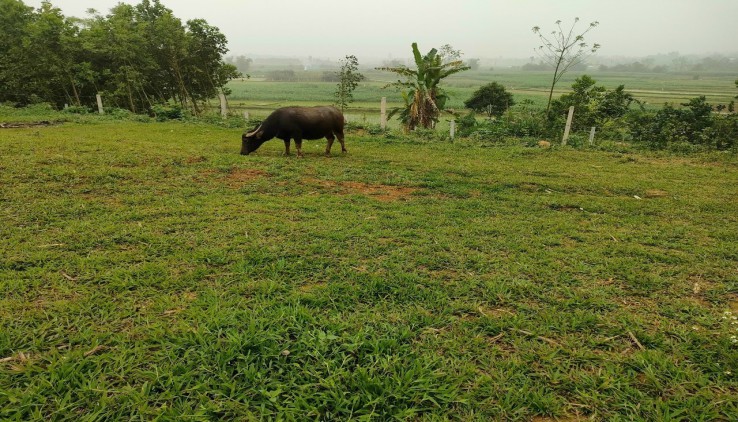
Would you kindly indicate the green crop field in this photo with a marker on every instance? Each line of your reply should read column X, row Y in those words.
column 148, row 271
column 259, row 96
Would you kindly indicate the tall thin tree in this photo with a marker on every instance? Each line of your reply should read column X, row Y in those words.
column 563, row 49
column 348, row 79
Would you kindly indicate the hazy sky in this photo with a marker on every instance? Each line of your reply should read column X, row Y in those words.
column 479, row 28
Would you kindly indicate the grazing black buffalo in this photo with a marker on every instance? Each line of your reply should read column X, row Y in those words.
column 297, row 123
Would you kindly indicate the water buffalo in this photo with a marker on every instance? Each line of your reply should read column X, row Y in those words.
column 297, row 123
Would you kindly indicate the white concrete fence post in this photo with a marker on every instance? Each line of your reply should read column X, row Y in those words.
column 99, row 104
column 568, row 125
column 592, row 135
column 223, row 105
column 383, row 113
column 453, row 129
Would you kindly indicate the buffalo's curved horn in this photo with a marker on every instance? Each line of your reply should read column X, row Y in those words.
column 254, row 132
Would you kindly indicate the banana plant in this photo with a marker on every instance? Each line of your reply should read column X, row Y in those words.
column 423, row 97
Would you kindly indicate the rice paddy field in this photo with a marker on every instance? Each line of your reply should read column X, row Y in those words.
column 257, row 95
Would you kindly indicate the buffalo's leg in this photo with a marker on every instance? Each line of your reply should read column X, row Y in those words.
column 340, row 139
column 286, row 147
column 329, row 144
column 298, row 145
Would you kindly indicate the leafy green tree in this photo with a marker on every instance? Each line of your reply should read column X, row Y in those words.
column 15, row 18
column 563, row 49
column 121, row 66
column 423, row 97
column 699, row 113
column 615, row 104
column 449, row 54
column 205, row 72
column 136, row 56
column 491, row 99
column 349, row 78
column 593, row 104
column 36, row 53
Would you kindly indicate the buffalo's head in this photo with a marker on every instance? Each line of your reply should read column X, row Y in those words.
column 251, row 141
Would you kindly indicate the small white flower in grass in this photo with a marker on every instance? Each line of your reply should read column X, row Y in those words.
column 728, row 372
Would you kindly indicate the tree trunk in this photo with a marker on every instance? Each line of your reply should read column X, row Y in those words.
column 556, row 75
column 130, row 96
column 74, row 90
column 553, row 84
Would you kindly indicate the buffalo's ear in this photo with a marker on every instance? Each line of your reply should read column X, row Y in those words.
column 259, row 134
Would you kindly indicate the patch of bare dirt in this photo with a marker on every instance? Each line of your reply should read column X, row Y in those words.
column 16, row 125
column 307, row 288
column 700, row 286
column 380, row 192
column 733, row 303
column 196, row 159
column 655, row 193
column 245, row 175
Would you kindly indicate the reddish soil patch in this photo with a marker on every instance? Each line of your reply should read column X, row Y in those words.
column 244, row 175
column 195, row 159
column 237, row 177
column 385, row 193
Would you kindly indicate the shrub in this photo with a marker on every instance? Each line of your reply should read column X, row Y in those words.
column 164, row 112
column 467, row 124
column 676, row 129
column 77, row 110
column 119, row 113
column 520, row 121
column 491, row 99
column 724, row 132
column 594, row 105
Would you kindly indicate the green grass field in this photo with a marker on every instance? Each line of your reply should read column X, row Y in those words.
column 149, row 271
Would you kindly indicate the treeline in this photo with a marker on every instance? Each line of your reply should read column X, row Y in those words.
column 635, row 67
column 136, row 57
column 658, row 64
